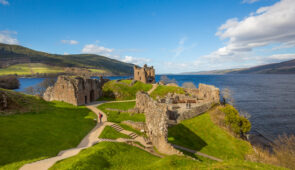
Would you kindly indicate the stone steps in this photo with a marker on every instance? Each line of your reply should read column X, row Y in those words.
column 133, row 135
column 117, row 127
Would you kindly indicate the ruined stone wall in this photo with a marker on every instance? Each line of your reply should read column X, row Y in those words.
column 156, row 115
column 145, row 74
column 74, row 90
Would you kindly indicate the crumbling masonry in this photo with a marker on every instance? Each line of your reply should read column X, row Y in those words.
column 145, row 74
column 171, row 110
column 75, row 90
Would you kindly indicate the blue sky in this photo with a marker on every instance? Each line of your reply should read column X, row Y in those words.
column 173, row 35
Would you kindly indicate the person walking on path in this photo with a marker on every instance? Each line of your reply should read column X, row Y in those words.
column 100, row 117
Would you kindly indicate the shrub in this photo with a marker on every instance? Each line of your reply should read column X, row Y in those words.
column 282, row 154
column 166, row 80
column 238, row 124
column 40, row 88
column 9, row 82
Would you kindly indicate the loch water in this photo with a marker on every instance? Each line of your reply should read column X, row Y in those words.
column 269, row 99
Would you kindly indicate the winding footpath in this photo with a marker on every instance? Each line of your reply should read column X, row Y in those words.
column 87, row 141
column 92, row 138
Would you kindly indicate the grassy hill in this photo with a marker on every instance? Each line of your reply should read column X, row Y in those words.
column 39, row 129
column 123, row 90
column 122, row 156
column 15, row 54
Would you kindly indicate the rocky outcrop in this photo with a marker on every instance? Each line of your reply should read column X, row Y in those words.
column 75, row 90
column 156, row 115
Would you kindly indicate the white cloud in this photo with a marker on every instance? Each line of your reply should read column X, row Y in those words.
column 134, row 60
column 4, row 2
column 250, row 1
column 7, row 37
column 95, row 49
column 71, row 42
column 271, row 25
column 281, row 57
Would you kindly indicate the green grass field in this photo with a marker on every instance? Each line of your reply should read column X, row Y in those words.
column 123, row 90
column 44, row 131
column 201, row 134
column 32, row 68
column 110, row 133
column 114, row 116
column 162, row 91
column 107, row 155
column 97, row 70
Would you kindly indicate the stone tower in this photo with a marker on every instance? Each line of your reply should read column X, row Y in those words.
column 144, row 74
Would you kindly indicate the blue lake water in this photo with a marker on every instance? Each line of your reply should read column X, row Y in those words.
column 269, row 99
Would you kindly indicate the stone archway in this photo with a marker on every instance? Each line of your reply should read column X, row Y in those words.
column 92, row 96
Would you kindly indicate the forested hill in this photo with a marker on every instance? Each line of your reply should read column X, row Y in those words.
column 15, row 54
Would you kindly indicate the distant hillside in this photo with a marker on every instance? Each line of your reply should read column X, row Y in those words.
column 15, row 54
column 211, row 72
column 286, row 67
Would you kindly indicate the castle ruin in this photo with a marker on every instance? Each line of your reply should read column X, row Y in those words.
column 144, row 74
column 171, row 110
column 75, row 90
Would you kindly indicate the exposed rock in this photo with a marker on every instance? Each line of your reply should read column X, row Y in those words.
column 75, row 90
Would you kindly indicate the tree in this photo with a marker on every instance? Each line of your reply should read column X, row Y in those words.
column 227, row 96
column 165, row 80
column 40, row 88
column 189, row 85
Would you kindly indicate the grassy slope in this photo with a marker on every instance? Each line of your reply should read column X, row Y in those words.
column 117, row 156
column 162, row 91
column 123, row 89
column 33, row 68
column 110, row 133
column 92, row 61
column 201, row 134
column 48, row 128
column 114, row 116
column 108, row 155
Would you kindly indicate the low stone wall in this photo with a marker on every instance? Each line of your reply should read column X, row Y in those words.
column 193, row 112
column 156, row 115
